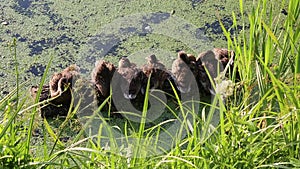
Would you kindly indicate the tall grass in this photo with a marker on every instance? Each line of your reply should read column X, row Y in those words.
column 259, row 125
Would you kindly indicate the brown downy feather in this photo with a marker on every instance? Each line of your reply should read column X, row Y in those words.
column 215, row 61
column 48, row 110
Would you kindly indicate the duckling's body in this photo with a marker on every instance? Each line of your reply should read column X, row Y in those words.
column 182, row 72
column 192, row 63
column 131, row 78
column 207, row 63
column 101, row 78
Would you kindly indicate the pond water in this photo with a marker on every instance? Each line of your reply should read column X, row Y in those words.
column 82, row 32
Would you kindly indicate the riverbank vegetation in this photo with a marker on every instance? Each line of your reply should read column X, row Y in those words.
column 258, row 126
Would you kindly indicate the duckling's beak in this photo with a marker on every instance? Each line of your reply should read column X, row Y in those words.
column 184, row 90
column 143, row 90
column 129, row 96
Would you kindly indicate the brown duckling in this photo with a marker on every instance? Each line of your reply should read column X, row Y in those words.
column 213, row 58
column 49, row 109
column 60, row 85
column 153, row 62
column 182, row 72
column 215, row 61
column 157, row 71
column 131, row 78
column 59, row 89
column 207, row 60
column 198, row 72
column 226, row 57
column 101, row 78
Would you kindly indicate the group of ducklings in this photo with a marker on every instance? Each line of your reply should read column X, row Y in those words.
column 132, row 80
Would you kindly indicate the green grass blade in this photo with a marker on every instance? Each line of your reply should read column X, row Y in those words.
column 34, row 109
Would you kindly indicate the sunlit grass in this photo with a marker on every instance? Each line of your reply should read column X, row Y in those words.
column 259, row 125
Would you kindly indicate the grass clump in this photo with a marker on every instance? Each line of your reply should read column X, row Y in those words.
column 259, row 125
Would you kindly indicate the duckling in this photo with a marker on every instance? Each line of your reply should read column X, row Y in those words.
column 101, row 78
column 197, row 70
column 48, row 110
column 182, row 73
column 216, row 56
column 58, row 88
column 60, row 85
column 207, row 60
column 226, row 57
column 223, row 55
column 131, row 78
column 155, row 63
column 157, row 71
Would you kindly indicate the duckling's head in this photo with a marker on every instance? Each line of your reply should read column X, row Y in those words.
column 151, row 59
column 183, row 56
column 124, row 62
column 191, row 57
column 72, row 68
